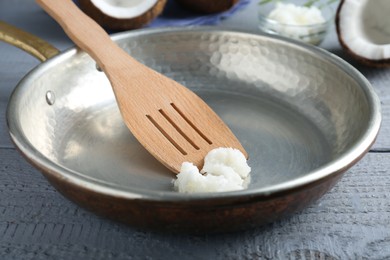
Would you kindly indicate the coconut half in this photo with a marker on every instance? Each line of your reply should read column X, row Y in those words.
column 363, row 29
column 122, row 14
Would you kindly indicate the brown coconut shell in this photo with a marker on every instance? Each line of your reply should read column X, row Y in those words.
column 363, row 60
column 121, row 24
column 207, row 6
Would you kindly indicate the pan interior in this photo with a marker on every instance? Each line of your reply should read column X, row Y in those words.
column 292, row 110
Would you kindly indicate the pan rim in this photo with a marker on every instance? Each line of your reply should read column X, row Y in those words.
column 340, row 164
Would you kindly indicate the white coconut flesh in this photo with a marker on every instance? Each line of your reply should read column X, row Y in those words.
column 124, row 9
column 365, row 27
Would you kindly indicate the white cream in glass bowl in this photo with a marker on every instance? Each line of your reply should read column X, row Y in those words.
column 294, row 20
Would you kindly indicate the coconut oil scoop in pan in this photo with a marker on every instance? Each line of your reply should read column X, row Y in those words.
column 168, row 119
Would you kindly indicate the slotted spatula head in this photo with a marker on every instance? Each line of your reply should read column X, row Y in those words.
column 168, row 119
column 172, row 122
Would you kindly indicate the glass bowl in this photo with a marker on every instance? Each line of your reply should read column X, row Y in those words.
column 313, row 34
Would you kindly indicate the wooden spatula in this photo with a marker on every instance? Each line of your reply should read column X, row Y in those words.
column 169, row 120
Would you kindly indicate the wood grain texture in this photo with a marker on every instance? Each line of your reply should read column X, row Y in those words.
column 349, row 222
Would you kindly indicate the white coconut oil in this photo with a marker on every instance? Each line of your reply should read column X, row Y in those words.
column 297, row 22
column 225, row 169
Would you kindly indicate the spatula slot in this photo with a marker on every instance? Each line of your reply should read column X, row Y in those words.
column 169, row 138
column 178, row 129
column 191, row 124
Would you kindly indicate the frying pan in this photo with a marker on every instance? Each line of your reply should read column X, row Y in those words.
column 304, row 115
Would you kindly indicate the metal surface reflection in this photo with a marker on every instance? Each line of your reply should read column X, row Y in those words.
column 303, row 116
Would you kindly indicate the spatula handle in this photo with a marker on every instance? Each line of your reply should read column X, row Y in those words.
column 84, row 31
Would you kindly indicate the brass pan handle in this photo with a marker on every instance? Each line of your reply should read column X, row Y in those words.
column 27, row 42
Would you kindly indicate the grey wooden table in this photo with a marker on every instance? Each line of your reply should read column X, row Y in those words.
column 352, row 221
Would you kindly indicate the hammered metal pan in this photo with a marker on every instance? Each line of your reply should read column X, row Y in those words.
column 304, row 116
